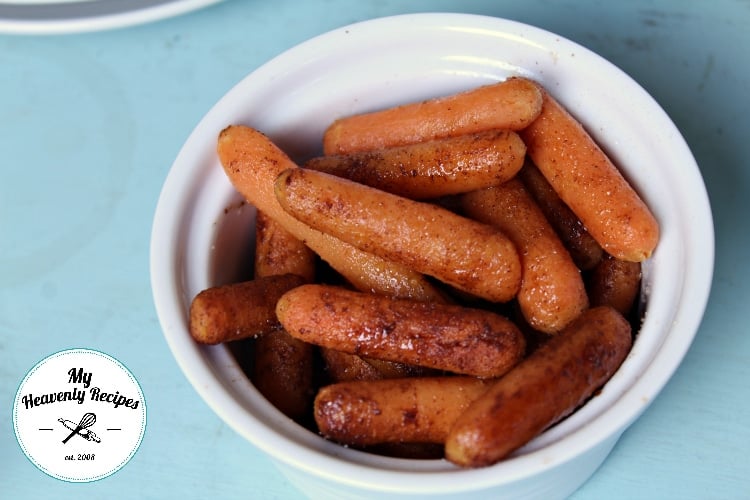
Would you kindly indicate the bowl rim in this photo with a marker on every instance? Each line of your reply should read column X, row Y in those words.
column 612, row 421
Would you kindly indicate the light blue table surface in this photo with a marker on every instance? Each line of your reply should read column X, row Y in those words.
column 90, row 124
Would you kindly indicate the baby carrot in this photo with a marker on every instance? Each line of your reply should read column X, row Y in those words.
column 440, row 336
column 362, row 413
column 283, row 367
column 590, row 184
column 434, row 168
column 542, row 389
column 510, row 104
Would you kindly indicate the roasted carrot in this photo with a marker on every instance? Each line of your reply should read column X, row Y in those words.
column 411, row 410
column 434, row 168
column 239, row 310
column 510, row 104
column 615, row 283
column 469, row 255
column 440, row 336
column 283, row 366
column 545, row 387
column 590, row 184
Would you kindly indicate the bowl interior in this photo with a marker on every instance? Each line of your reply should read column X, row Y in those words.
column 202, row 234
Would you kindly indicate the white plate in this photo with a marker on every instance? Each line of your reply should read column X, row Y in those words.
column 76, row 16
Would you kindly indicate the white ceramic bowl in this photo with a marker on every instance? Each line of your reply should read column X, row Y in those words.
column 202, row 230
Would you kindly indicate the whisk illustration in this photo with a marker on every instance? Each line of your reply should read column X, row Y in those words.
column 87, row 420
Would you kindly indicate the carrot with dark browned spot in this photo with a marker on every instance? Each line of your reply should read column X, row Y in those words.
column 283, row 367
column 410, row 410
column 550, row 384
column 440, row 336
column 471, row 256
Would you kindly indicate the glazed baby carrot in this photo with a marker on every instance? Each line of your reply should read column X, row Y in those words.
column 510, row 104
column 615, row 283
column 238, row 311
column 469, row 255
column 283, row 366
column 590, row 184
column 434, row 168
column 552, row 292
column 545, row 387
column 252, row 162
column 407, row 410
column 440, row 336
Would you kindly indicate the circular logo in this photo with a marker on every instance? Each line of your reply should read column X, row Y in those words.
column 79, row 415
